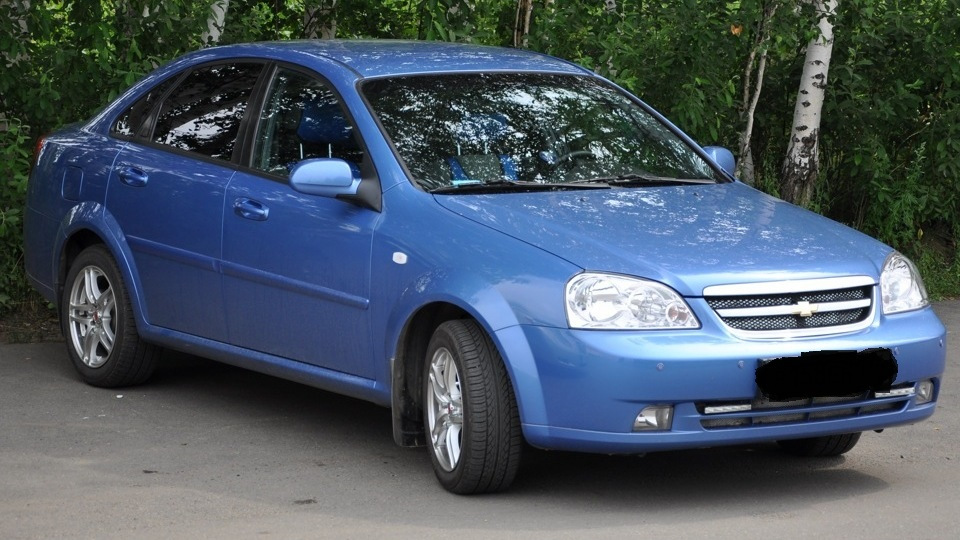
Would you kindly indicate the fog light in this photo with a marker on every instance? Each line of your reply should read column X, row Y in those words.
column 654, row 418
column 924, row 392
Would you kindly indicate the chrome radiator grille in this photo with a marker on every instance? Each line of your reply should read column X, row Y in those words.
column 794, row 308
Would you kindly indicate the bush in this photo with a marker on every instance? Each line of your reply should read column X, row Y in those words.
column 14, row 163
column 890, row 137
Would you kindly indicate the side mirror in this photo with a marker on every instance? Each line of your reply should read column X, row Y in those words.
column 722, row 157
column 326, row 177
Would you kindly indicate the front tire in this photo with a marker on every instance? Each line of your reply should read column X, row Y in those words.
column 98, row 324
column 470, row 413
column 829, row 446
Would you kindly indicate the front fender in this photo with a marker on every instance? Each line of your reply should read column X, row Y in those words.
column 408, row 342
column 426, row 256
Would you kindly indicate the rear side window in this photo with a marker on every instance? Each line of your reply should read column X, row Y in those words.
column 132, row 122
column 203, row 113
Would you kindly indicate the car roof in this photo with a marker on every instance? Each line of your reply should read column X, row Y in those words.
column 355, row 59
column 376, row 58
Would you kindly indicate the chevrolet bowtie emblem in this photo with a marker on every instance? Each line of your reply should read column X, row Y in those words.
column 805, row 309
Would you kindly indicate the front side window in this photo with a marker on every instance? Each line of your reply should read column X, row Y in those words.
column 203, row 113
column 459, row 129
column 302, row 119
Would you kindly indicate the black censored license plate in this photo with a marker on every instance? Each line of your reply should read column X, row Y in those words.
column 826, row 374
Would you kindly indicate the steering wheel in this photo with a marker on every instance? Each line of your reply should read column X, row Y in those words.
column 573, row 156
column 554, row 162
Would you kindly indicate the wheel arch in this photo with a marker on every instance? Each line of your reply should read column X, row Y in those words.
column 72, row 246
column 88, row 225
column 406, row 373
column 410, row 351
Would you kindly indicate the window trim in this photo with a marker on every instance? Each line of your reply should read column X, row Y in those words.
column 150, row 117
column 369, row 192
column 149, row 125
column 249, row 101
column 723, row 176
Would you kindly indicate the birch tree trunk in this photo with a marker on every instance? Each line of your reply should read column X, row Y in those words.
column 320, row 20
column 20, row 30
column 215, row 22
column 521, row 26
column 18, row 13
column 751, row 92
column 802, row 164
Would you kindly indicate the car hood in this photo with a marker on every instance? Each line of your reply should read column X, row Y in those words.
column 688, row 237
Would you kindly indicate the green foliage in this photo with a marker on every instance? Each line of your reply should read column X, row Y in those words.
column 71, row 57
column 14, row 162
column 893, row 124
column 890, row 135
column 479, row 21
column 941, row 273
column 684, row 58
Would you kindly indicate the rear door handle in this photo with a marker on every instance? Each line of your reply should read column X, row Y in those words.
column 250, row 209
column 132, row 176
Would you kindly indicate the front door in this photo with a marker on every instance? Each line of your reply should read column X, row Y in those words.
column 296, row 267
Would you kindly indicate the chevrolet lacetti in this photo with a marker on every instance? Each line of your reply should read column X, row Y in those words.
column 500, row 246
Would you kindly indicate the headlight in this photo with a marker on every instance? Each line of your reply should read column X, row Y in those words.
column 616, row 302
column 901, row 286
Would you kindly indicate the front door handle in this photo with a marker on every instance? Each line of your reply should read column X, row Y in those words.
column 250, row 209
column 132, row 176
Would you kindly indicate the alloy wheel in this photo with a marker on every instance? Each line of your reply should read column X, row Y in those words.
column 445, row 409
column 92, row 314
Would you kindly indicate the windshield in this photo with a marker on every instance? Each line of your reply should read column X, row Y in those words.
column 466, row 129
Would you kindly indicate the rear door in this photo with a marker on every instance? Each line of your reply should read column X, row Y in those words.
column 167, row 191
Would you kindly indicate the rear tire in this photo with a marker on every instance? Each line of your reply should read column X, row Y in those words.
column 831, row 445
column 470, row 413
column 98, row 324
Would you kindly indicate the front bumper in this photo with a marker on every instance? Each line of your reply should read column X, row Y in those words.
column 581, row 390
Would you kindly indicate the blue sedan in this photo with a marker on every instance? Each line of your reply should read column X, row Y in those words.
column 500, row 246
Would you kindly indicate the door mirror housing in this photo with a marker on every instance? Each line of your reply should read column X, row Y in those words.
column 722, row 157
column 326, row 177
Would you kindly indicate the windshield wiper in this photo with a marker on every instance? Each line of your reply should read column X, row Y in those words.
column 638, row 179
column 487, row 186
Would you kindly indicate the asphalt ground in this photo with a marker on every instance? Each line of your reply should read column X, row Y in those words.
column 205, row 450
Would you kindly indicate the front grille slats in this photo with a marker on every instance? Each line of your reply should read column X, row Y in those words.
column 787, row 313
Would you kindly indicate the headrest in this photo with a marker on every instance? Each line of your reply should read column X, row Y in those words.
column 484, row 127
column 323, row 123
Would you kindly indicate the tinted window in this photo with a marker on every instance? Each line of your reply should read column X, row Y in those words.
column 466, row 128
column 203, row 113
column 131, row 122
column 302, row 119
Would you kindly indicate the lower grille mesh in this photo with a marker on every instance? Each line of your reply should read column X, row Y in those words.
column 792, row 322
column 765, row 412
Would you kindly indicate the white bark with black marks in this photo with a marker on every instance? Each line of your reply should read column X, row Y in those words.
column 751, row 92
column 801, row 165
column 18, row 12
column 320, row 21
column 216, row 22
column 521, row 26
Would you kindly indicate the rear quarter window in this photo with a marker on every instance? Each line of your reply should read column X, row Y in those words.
column 133, row 122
